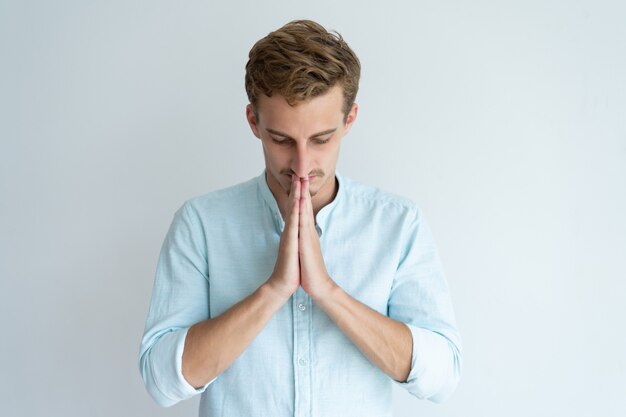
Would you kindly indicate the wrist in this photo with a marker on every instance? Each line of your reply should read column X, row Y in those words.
column 326, row 291
column 275, row 290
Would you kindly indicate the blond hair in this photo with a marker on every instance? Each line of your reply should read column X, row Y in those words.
column 299, row 61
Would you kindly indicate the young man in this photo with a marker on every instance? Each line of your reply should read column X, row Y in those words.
column 299, row 292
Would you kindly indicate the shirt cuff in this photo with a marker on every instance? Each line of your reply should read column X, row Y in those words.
column 434, row 367
column 167, row 359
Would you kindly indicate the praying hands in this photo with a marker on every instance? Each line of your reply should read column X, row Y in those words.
column 300, row 260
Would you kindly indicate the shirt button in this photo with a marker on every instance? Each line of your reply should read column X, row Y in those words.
column 302, row 307
column 303, row 362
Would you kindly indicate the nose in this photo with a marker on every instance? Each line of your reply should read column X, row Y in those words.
column 301, row 161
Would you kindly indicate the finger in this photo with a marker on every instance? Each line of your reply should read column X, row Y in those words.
column 294, row 215
column 304, row 203
column 298, row 188
column 306, row 187
column 292, row 189
column 308, row 206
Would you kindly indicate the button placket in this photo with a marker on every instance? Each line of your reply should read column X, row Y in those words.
column 302, row 352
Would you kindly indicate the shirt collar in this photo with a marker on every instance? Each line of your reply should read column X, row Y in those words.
column 322, row 217
column 270, row 201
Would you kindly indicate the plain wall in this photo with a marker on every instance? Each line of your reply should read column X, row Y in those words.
column 504, row 120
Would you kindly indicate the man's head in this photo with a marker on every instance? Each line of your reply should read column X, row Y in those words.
column 302, row 82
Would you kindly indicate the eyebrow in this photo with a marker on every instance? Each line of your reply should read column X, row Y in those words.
column 279, row 133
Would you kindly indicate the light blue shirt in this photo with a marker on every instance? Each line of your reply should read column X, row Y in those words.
column 377, row 247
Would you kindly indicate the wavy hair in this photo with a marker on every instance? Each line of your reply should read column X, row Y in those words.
column 299, row 61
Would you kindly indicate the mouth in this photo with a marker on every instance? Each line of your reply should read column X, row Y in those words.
column 310, row 177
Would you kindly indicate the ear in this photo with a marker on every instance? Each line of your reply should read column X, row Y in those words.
column 252, row 121
column 350, row 119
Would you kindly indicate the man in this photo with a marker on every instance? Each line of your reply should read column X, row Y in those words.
column 299, row 292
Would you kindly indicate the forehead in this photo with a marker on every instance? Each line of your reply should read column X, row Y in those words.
column 325, row 109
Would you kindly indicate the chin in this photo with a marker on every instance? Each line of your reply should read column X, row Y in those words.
column 321, row 181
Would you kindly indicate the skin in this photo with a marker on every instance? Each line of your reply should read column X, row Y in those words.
column 301, row 147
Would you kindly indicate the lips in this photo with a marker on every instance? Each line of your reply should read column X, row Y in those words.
column 311, row 177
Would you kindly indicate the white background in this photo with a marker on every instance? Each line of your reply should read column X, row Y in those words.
column 504, row 120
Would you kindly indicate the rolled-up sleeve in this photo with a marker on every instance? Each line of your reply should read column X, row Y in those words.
column 420, row 298
column 180, row 299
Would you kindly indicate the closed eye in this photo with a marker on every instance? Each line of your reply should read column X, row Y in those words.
column 288, row 141
column 280, row 141
column 321, row 141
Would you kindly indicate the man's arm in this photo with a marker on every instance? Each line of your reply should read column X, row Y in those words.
column 431, row 371
column 212, row 346
column 419, row 356
column 177, row 360
column 386, row 342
